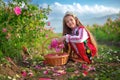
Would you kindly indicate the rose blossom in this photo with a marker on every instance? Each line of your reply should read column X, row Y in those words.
column 17, row 10
column 4, row 30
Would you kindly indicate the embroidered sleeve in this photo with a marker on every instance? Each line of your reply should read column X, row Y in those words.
column 67, row 38
column 81, row 37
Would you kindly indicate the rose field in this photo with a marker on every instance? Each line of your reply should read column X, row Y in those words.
column 24, row 43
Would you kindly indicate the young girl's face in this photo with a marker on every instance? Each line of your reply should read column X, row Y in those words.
column 70, row 22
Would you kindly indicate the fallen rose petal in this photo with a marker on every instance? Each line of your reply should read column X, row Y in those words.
column 30, row 74
column 76, row 72
column 37, row 67
column 45, row 72
column 76, row 62
column 84, row 66
column 56, row 74
column 44, row 62
column 91, row 68
column 24, row 73
column 45, row 79
column 48, row 69
column 61, row 72
column 84, row 73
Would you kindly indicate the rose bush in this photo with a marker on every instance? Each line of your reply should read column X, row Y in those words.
column 21, row 24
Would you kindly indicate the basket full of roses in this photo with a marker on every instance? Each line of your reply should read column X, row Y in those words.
column 57, row 56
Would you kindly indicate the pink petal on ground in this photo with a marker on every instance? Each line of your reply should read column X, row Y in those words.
column 24, row 73
column 37, row 67
column 44, row 62
column 45, row 79
column 84, row 66
column 76, row 72
column 85, row 73
column 45, row 72
column 30, row 74
column 91, row 68
column 61, row 71
column 56, row 74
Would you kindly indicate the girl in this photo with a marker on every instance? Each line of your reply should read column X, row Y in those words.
column 80, row 39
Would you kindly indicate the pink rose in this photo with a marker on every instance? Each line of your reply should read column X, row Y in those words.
column 48, row 23
column 17, row 10
column 46, row 35
column 54, row 43
column 4, row 30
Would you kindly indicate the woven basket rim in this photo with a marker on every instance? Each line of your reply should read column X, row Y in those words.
column 56, row 55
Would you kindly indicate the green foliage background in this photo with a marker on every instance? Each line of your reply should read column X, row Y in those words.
column 26, row 29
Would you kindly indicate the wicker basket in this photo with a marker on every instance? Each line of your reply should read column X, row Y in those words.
column 53, row 58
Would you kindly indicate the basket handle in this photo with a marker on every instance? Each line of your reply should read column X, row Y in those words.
column 43, row 45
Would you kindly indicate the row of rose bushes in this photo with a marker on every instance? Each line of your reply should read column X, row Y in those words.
column 108, row 32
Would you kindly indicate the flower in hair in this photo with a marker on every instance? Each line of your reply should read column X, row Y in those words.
column 70, row 12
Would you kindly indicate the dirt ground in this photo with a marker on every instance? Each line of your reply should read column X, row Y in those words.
column 67, row 71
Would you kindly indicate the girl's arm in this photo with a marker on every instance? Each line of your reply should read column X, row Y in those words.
column 81, row 37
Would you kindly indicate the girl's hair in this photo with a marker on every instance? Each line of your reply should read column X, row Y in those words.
column 67, row 30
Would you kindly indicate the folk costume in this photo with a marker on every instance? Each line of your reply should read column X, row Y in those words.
column 81, row 44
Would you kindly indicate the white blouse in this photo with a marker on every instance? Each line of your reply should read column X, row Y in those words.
column 77, row 38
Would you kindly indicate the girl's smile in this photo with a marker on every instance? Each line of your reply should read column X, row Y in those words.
column 70, row 22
